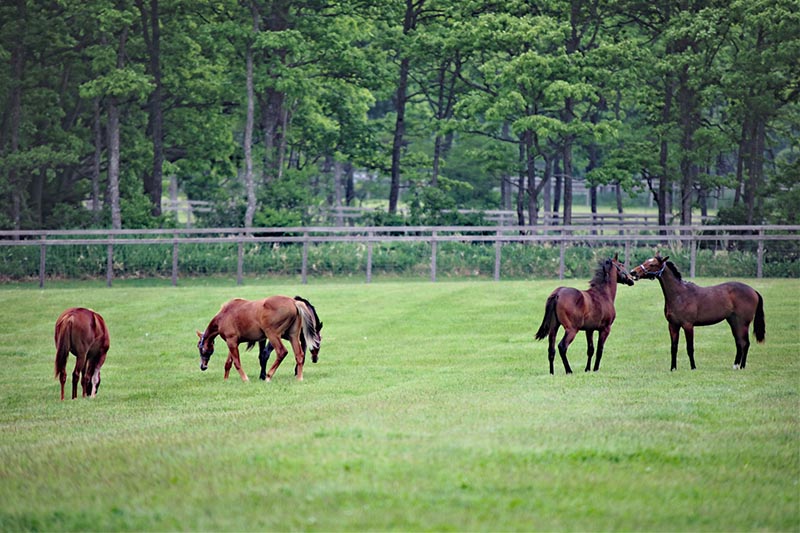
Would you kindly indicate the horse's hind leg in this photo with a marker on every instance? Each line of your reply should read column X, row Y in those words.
column 299, row 357
column 80, row 364
column 569, row 336
column 590, row 350
column 674, row 335
column 280, row 353
column 742, row 339
column 551, row 347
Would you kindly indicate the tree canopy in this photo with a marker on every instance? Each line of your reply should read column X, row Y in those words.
column 269, row 108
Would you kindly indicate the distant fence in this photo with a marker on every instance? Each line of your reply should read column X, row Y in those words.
column 620, row 236
column 346, row 215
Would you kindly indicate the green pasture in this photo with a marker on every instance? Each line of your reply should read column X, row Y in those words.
column 431, row 408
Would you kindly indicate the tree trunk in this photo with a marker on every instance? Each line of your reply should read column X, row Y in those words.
column 15, row 105
column 567, row 183
column 557, row 188
column 399, row 133
column 96, row 161
column 401, row 95
column 350, row 187
column 521, row 186
column 113, row 162
column 249, row 182
column 153, row 182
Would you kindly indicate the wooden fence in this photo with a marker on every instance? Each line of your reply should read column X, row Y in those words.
column 623, row 235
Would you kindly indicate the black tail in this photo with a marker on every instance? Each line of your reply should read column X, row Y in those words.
column 63, row 340
column 550, row 319
column 759, row 328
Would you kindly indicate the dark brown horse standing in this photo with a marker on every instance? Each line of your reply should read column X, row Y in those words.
column 591, row 310
column 265, row 322
column 686, row 305
column 84, row 333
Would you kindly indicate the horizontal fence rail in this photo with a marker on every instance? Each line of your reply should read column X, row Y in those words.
column 623, row 235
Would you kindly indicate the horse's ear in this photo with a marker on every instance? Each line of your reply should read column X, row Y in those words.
column 665, row 259
column 616, row 256
column 198, row 333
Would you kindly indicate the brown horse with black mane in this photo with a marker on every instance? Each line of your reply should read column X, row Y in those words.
column 265, row 322
column 591, row 310
column 84, row 333
column 686, row 305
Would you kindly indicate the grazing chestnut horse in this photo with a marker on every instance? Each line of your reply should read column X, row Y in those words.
column 84, row 333
column 591, row 310
column 264, row 322
column 686, row 305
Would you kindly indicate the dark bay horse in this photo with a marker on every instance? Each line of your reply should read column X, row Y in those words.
column 686, row 305
column 265, row 322
column 84, row 333
column 591, row 310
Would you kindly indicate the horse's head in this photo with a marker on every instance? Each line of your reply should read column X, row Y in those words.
column 622, row 274
column 650, row 268
column 206, row 347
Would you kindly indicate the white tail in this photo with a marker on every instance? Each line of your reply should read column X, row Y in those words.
column 308, row 325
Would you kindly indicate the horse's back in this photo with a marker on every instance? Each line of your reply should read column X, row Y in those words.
column 249, row 320
column 87, row 329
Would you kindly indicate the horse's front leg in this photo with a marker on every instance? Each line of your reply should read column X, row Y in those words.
column 590, row 350
column 688, row 331
column 228, row 365
column 674, row 335
column 233, row 356
column 601, row 343
column 569, row 336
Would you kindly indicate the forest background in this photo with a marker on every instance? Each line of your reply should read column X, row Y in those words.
column 267, row 108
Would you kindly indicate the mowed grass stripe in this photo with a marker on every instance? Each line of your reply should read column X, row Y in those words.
column 431, row 409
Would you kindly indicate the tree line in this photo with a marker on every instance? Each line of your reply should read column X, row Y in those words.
column 265, row 108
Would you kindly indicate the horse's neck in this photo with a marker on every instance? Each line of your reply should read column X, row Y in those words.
column 670, row 284
column 213, row 329
column 611, row 286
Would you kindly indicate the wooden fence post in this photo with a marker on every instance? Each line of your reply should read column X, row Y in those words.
column 369, row 257
column 42, row 254
column 760, row 265
column 497, row 246
column 174, row 259
column 304, row 274
column 627, row 250
column 110, row 262
column 561, row 257
column 433, row 256
column 692, row 256
column 240, row 259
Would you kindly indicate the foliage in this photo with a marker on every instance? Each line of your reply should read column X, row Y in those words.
column 345, row 260
column 699, row 95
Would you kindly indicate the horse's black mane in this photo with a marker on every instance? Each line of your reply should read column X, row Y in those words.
column 600, row 274
column 674, row 270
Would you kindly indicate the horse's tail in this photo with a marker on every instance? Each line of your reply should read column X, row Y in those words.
column 759, row 327
column 307, row 325
column 63, row 339
column 550, row 319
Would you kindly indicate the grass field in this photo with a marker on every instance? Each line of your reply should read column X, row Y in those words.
column 431, row 409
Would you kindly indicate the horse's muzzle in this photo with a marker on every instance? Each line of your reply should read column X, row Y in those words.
column 203, row 365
